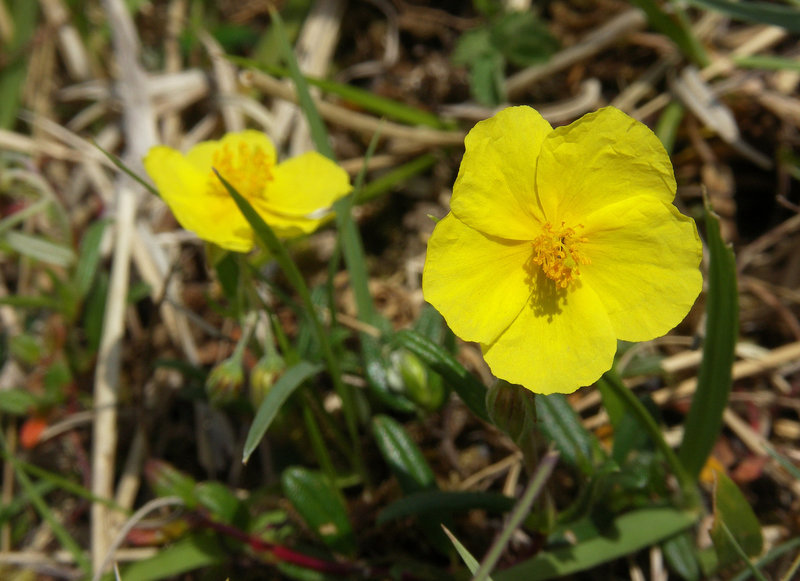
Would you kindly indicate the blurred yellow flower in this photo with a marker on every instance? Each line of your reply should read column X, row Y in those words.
column 293, row 197
column 558, row 243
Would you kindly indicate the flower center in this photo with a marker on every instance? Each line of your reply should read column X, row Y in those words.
column 246, row 168
column 557, row 252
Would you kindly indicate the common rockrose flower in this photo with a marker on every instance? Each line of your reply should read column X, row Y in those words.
column 559, row 242
column 293, row 197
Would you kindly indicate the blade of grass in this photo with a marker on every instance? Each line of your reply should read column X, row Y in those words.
column 688, row 487
column 470, row 561
column 521, row 510
column 44, row 511
column 395, row 177
column 274, row 400
column 125, row 169
column 364, row 99
column 270, row 240
column 318, row 132
column 704, row 420
column 787, row 17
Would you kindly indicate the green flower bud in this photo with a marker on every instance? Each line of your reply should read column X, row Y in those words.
column 427, row 391
column 511, row 408
column 225, row 381
column 263, row 376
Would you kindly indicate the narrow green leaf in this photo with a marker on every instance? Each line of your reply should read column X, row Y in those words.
column 680, row 553
column 187, row 554
column 704, row 421
column 628, row 533
column 46, row 513
column 769, row 63
column 88, row 258
column 521, row 510
column 471, row 391
column 559, row 422
column 395, row 177
column 402, row 455
column 274, row 400
column 318, row 502
column 317, row 128
column 16, row 54
column 38, row 248
column 769, row 557
column 787, row 17
column 125, row 169
column 735, row 531
column 676, row 26
column 17, row 401
column 423, row 503
column 364, row 99
column 668, row 123
column 470, row 561
column 220, row 501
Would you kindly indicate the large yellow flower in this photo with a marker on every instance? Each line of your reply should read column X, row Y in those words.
column 293, row 197
column 558, row 243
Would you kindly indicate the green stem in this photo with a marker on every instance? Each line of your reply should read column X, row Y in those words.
column 687, row 484
column 317, row 441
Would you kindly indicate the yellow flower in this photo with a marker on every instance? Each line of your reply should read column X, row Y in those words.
column 293, row 197
column 558, row 243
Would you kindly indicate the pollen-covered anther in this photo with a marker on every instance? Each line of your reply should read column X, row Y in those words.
column 557, row 252
column 247, row 168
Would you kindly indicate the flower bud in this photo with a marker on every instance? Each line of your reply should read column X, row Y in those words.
column 263, row 376
column 424, row 389
column 511, row 408
column 225, row 381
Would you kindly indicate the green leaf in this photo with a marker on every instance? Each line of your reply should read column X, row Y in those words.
column 220, row 501
column 628, row 533
column 522, row 38
column 395, row 177
column 275, row 398
column 317, row 128
column 17, row 401
column 88, row 258
column 377, row 377
column 423, row 503
column 679, row 551
column 769, row 63
column 471, row 391
column 38, row 248
column 735, row 530
column 470, row 561
column 787, row 17
column 676, row 26
column 319, row 503
column 704, row 421
column 16, row 54
column 402, row 455
column 559, row 422
column 187, row 554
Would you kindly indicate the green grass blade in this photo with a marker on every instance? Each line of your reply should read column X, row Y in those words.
column 16, row 53
column 769, row 63
column 366, row 100
column 704, row 421
column 274, row 400
column 38, row 503
column 676, row 26
column 771, row 556
column 395, row 177
column 520, row 512
column 627, row 534
column 787, row 17
column 187, row 554
column 125, row 169
column 470, row 561
column 88, row 258
column 318, row 131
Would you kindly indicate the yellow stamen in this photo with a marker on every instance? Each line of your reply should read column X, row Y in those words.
column 558, row 253
column 246, row 168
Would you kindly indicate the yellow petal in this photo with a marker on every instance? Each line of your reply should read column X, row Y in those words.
column 478, row 283
column 201, row 155
column 495, row 188
column 305, row 185
column 292, row 226
column 185, row 189
column 600, row 159
column 561, row 341
column 645, row 258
